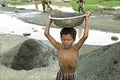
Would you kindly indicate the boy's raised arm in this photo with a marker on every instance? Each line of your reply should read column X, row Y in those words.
column 86, row 30
column 49, row 37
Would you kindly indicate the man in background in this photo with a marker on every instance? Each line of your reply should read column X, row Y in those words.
column 80, row 5
column 44, row 3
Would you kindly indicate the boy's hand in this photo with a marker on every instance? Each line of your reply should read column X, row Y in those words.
column 50, row 20
column 52, row 14
column 88, row 14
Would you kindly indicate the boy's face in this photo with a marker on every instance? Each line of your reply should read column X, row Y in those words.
column 67, row 40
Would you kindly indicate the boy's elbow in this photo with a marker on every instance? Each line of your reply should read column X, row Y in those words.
column 45, row 33
column 85, row 36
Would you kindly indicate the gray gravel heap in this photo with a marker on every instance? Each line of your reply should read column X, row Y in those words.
column 101, row 64
column 30, row 54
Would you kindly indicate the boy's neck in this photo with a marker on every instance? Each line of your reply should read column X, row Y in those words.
column 67, row 47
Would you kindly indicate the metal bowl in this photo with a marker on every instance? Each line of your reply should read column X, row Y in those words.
column 68, row 19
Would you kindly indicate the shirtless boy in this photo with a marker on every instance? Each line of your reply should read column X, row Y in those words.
column 67, row 52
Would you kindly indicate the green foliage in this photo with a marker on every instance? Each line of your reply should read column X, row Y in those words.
column 17, row 3
column 73, row 3
column 92, row 1
column 91, row 8
column 93, row 5
column 111, row 3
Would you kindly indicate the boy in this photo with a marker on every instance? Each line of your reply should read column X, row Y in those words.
column 67, row 52
column 80, row 5
column 46, row 2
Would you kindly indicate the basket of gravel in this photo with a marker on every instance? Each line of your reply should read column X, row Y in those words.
column 67, row 19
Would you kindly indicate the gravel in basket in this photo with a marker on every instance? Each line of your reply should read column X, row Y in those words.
column 67, row 19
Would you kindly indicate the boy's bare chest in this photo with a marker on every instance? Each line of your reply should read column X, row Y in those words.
column 67, row 59
column 68, row 55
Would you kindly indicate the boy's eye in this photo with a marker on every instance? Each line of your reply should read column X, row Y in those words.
column 68, row 39
column 64, row 39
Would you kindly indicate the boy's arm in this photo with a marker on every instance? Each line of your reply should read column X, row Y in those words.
column 85, row 35
column 49, row 37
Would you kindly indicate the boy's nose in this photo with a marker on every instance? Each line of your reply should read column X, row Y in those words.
column 66, row 42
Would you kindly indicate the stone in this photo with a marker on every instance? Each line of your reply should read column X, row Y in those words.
column 114, row 38
column 26, row 34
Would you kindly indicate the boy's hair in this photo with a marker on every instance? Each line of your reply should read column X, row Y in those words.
column 70, row 31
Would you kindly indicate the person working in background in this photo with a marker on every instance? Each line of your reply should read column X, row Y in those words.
column 44, row 3
column 80, row 5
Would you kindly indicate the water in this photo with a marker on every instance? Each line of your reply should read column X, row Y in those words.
column 17, row 27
